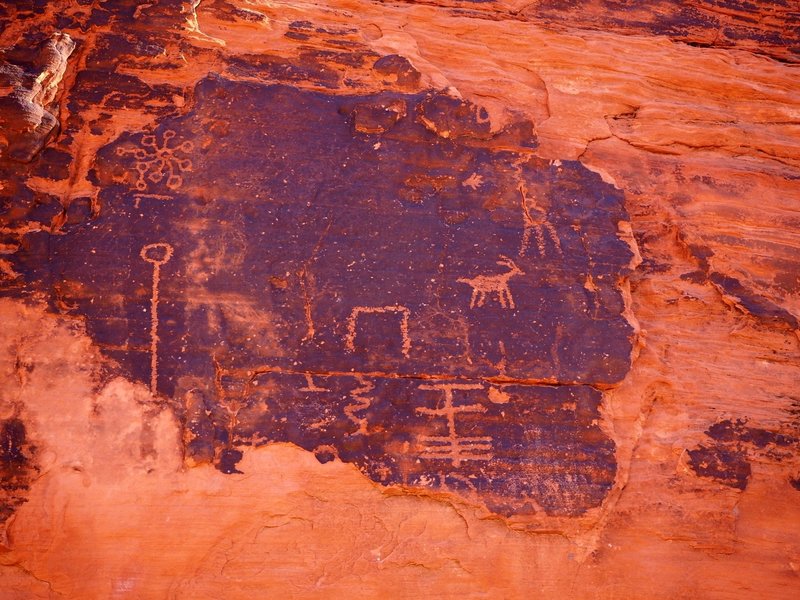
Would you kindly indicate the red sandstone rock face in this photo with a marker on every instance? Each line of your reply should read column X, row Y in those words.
column 473, row 299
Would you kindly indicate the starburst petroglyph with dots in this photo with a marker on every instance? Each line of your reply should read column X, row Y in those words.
column 156, row 162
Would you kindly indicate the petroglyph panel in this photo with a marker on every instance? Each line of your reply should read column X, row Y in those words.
column 518, row 448
column 438, row 310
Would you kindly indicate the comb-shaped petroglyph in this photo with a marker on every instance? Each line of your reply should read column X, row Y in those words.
column 156, row 254
column 484, row 285
column 453, row 447
column 352, row 323
column 156, row 161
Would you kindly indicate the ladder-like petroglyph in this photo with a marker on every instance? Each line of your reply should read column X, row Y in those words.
column 157, row 254
column 497, row 284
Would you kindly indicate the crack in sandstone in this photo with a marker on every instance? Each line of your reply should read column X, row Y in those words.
column 495, row 379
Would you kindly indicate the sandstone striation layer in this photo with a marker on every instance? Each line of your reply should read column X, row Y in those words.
column 399, row 299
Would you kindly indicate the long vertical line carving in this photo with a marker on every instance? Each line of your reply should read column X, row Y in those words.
column 157, row 255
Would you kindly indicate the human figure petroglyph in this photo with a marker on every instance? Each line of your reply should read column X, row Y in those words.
column 156, row 161
column 352, row 321
column 305, row 284
column 591, row 287
column 157, row 254
column 483, row 285
column 451, row 446
column 537, row 225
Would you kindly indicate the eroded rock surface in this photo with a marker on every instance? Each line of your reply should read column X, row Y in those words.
column 29, row 78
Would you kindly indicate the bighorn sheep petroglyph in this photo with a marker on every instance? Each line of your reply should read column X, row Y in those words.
column 482, row 285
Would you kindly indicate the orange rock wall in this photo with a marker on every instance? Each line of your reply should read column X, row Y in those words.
column 695, row 122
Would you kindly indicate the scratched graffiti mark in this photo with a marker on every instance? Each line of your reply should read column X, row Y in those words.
column 137, row 198
column 156, row 161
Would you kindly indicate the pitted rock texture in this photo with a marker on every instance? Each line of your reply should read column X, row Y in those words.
column 443, row 298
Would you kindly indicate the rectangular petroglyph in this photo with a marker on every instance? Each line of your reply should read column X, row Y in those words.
column 352, row 324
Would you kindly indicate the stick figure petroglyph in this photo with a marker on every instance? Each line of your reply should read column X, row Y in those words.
column 155, row 162
column 451, row 446
column 405, row 314
column 482, row 285
column 157, row 255
column 537, row 224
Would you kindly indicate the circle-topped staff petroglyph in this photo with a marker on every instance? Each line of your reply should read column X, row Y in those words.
column 156, row 254
column 150, row 253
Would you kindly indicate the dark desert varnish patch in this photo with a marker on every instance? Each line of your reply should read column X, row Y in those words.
column 734, row 444
column 16, row 466
column 380, row 279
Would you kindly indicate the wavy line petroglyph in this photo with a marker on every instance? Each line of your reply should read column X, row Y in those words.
column 352, row 321
column 360, row 403
column 483, row 285
column 157, row 255
column 451, row 446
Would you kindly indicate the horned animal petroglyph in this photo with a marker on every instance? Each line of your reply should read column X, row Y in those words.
column 483, row 285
